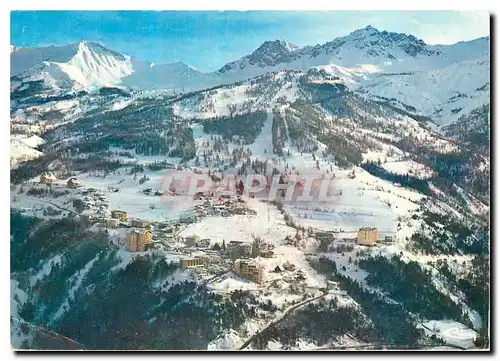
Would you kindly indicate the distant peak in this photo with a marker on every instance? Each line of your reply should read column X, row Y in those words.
column 180, row 65
column 92, row 43
column 288, row 45
column 367, row 30
column 99, row 48
column 276, row 46
column 269, row 53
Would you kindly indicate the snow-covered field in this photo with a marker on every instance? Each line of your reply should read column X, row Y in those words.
column 22, row 147
column 268, row 223
column 408, row 167
column 454, row 333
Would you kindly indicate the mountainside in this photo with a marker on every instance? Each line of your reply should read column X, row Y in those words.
column 336, row 114
column 391, row 66
column 83, row 65
column 89, row 65
column 385, row 51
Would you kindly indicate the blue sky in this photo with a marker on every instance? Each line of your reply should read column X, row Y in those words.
column 208, row 40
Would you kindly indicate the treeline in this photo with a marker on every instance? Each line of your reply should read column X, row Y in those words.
column 31, row 168
column 392, row 324
column 133, row 306
column 408, row 283
column 473, row 129
column 462, row 167
column 139, row 125
column 405, row 180
column 279, row 134
column 455, row 237
column 246, row 126
column 320, row 323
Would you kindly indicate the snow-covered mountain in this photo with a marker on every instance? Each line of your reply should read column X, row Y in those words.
column 384, row 51
column 90, row 65
column 178, row 77
column 348, row 117
column 441, row 94
column 440, row 82
column 82, row 65
column 389, row 171
column 269, row 54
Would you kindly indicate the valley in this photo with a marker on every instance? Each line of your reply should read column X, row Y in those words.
column 134, row 206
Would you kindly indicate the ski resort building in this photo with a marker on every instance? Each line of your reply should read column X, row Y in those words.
column 249, row 269
column 193, row 262
column 73, row 183
column 47, row 178
column 112, row 222
column 121, row 215
column 367, row 236
column 138, row 240
column 192, row 241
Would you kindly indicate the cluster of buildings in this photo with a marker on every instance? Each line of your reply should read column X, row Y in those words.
column 366, row 236
column 238, row 249
column 243, row 256
column 49, row 178
column 249, row 269
column 224, row 207
column 138, row 235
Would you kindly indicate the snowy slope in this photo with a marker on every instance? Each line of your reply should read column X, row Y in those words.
column 88, row 65
column 22, row 147
column 385, row 51
column 177, row 77
column 442, row 94
column 81, row 65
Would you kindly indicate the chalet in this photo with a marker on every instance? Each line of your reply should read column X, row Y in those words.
column 48, row 178
column 279, row 269
column 73, row 183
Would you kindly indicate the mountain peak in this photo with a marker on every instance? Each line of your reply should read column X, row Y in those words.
column 275, row 47
column 99, row 48
column 366, row 31
column 269, row 53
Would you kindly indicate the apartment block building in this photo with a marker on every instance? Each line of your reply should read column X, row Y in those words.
column 367, row 236
column 138, row 240
column 249, row 269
